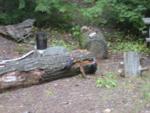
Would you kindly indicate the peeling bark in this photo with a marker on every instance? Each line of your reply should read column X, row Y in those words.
column 50, row 65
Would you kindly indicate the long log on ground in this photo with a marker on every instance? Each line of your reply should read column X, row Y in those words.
column 18, row 32
column 36, row 68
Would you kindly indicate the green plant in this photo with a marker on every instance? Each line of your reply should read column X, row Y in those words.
column 94, row 12
column 15, row 11
column 124, row 46
column 146, row 91
column 55, row 42
column 126, row 15
column 107, row 81
column 147, row 96
column 49, row 92
column 76, row 31
column 21, row 49
column 54, row 12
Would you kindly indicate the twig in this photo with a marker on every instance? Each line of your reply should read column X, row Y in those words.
column 3, row 62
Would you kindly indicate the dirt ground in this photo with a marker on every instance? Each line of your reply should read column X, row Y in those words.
column 74, row 94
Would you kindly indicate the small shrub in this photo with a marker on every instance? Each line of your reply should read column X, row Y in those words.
column 146, row 91
column 125, row 46
column 76, row 32
column 62, row 43
column 147, row 96
column 21, row 49
column 49, row 92
column 107, row 81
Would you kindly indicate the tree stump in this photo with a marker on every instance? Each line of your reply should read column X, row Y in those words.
column 132, row 64
column 93, row 40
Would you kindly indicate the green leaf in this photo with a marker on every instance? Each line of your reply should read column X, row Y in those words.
column 22, row 4
column 63, row 9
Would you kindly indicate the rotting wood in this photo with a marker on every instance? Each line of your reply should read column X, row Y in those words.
column 50, row 65
column 17, row 32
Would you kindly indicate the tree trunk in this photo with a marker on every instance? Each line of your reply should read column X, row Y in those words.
column 36, row 68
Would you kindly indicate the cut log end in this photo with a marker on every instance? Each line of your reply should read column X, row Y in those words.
column 132, row 64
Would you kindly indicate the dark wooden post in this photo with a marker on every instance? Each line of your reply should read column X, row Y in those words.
column 41, row 40
column 147, row 23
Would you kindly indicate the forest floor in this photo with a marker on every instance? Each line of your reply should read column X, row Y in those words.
column 75, row 94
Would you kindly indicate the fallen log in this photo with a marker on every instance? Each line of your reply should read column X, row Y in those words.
column 37, row 68
column 18, row 32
